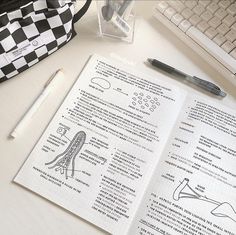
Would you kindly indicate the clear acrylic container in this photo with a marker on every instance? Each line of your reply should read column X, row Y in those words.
column 116, row 19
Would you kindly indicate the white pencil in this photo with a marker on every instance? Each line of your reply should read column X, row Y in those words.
column 51, row 83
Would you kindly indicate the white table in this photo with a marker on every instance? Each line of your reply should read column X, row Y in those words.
column 23, row 212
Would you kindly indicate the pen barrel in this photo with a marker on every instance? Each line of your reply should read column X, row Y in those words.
column 206, row 85
column 29, row 114
column 49, row 86
column 123, row 7
column 162, row 66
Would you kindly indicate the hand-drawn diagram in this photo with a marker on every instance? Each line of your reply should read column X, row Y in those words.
column 101, row 82
column 65, row 161
column 62, row 130
column 145, row 102
column 222, row 209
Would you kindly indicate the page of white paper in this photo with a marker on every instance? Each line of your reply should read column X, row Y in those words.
column 97, row 155
column 193, row 190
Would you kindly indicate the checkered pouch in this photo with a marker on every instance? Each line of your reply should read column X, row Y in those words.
column 30, row 30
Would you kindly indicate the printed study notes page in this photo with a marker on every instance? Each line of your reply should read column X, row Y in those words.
column 193, row 189
column 97, row 155
column 135, row 155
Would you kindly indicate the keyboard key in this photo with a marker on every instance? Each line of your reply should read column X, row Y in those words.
column 234, row 26
column 177, row 5
column 169, row 12
column 223, row 29
column 187, row 13
column 224, row 3
column 206, row 15
column 233, row 53
column 211, row 33
column 219, row 39
column 185, row 25
column 221, row 13
column 232, row 9
column 214, row 22
column 162, row 6
column 231, row 35
column 177, row 18
column 213, row 48
column 190, row 4
column 210, row 23
column 228, row 46
column 204, row 3
column 229, row 20
column 195, row 19
column 199, row 9
column 203, row 25
column 213, row 7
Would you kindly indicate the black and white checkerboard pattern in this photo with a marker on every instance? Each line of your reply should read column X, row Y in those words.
column 32, row 32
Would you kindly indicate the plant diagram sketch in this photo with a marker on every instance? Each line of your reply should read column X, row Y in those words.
column 101, row 82
column 65, row 161
column 222, row 209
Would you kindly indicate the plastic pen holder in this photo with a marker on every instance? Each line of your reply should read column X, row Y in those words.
column 116, row 19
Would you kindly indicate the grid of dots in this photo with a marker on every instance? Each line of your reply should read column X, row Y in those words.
column 145, row 102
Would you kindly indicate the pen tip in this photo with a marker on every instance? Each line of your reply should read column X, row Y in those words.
column 13, row 135
column 150, row 60
column 222, row 94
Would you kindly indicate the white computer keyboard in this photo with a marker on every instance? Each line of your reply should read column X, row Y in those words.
column 209, row 23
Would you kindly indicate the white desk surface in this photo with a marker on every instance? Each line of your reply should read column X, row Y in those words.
column 22, row 212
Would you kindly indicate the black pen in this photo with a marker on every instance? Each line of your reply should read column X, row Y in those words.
column 206, row 85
